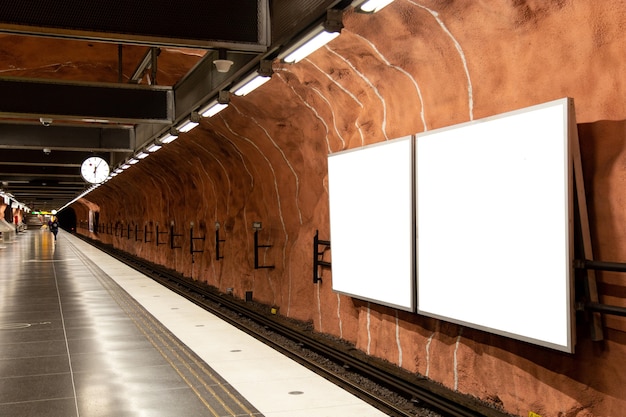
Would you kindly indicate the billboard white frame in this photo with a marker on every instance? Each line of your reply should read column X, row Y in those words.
column 494, row 224
column 372, row 223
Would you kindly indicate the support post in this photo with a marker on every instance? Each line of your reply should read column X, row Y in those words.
column 597, row 333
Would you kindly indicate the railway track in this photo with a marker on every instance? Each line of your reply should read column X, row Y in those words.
column 419, row 393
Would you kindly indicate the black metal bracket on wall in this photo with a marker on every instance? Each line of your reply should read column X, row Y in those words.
column 172, row 236
column 602, row 266
column 146, row 233
column 137, row 233
column 193, row 251
column 157, row 234
column 218, row 241
column 318, row 257
column 256, row 252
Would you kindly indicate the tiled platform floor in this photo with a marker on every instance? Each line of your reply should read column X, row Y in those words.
column 84, row 335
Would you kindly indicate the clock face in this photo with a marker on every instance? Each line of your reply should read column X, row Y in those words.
column 94, row 169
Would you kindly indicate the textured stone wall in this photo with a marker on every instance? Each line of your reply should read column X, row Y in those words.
column 415, row 66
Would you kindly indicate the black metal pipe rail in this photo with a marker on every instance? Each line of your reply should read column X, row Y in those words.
column 415, row 389
column 603, row 266
column 600, row 265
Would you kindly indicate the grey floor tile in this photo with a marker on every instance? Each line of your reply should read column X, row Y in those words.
column 36, row 388
column 33, row 349
column 65, row 407
column 34, row 366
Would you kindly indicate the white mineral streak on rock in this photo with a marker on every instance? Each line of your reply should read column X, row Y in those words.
column 403, row 71
column 317, row 115
column 456, row 368
column 319, row 307
column 369, row 335
column 330, row 106
column 296, row 199
column 457, row 45
column 239, row 153
column 278, row 199
column 372, row 86
column 335, row 82
column 339, row 316
column 398, row 340
column 430, row 339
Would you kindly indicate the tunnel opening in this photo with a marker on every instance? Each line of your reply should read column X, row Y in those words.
column 67, row 220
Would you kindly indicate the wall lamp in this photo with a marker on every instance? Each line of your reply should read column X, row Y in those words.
column 371, row 6
column 216, row 105
column 315, row 39
column 188, row 124
column 254, row 80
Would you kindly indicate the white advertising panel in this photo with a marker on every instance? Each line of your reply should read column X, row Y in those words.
column 494, row 210
column 372, row 223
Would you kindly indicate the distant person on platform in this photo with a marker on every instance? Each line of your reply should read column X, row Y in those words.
column 54, row 227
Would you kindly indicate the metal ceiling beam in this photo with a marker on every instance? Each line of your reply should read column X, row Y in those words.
column 149, row 61
column 102, row 139
column 90, row 102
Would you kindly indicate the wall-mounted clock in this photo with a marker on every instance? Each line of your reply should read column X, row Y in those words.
column 94, row 170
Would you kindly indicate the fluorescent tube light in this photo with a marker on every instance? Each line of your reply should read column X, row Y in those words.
column 184, row 127
column 170, row 138
column 249, row 84
column 213, row 108
column 154, row 147
column 310, row 46
column 316, row 38
column 133, row 161
column 372, row 6
column 142, row 155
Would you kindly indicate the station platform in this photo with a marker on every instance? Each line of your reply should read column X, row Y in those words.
column 84, row 335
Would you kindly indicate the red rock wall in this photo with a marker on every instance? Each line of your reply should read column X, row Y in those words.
column 415, row 66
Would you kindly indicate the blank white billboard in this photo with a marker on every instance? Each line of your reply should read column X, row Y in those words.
column 372, row 223
column 494, row 211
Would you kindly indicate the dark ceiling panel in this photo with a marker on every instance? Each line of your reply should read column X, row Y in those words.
column 232, row 20
column 27, row 157
column 119, row 102
column 16, row 136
